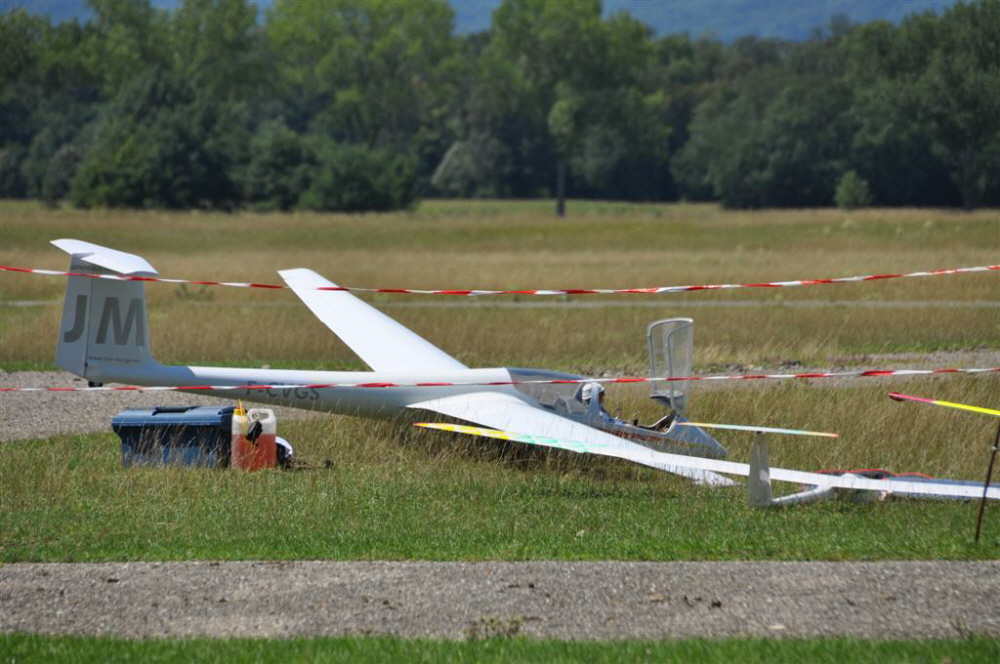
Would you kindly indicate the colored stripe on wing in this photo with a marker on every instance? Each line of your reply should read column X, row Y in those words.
column 947, row 404
column 743, row 427
column 528, row 439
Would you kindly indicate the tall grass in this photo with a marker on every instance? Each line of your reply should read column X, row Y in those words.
column 282, row 332
column 492, row 244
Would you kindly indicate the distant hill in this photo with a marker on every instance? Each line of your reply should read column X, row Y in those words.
column 788, row 19
column 726, row 19
column 730, row 19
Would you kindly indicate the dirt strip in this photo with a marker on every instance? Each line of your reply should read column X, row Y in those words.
column 560, row 600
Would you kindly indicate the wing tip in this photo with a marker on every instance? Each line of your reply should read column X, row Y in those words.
column 304, row 278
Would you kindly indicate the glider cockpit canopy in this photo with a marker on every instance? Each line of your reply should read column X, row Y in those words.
column 563, row 398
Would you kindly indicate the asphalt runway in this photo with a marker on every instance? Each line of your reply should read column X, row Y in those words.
column 557, row 600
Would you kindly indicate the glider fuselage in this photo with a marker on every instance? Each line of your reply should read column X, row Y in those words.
column 385, row 394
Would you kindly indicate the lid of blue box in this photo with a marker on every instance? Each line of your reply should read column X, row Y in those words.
column 173, row 415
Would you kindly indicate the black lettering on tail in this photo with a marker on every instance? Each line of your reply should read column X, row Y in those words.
column 111, row 317
column 79, row 320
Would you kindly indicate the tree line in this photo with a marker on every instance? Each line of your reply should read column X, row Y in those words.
column 369, row 104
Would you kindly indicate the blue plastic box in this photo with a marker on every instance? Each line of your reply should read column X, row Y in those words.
column 179, row 436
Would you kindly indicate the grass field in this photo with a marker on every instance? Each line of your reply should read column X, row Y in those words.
column 520, row 245
column 23, row 648
column 394, row 492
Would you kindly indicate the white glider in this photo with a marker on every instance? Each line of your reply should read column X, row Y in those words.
column 103, row 337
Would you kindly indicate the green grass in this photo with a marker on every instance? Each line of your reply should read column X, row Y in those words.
column 30, row 648
column 395, row 492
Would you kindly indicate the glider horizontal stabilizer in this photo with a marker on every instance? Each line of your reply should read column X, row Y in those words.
column 756, row 429
column 109, row 259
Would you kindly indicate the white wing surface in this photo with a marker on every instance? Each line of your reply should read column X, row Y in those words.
column 381, row 342
column 663, row 460
column 509, row 413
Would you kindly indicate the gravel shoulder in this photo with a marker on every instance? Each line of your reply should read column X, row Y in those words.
column 571, row 600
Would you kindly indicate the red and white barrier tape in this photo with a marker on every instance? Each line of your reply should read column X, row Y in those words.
column 871, row 373
column 552, row 291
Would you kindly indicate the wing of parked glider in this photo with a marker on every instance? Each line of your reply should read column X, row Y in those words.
column 381, row 342
column 896, row 396
column 674, row 462
column 510, row 414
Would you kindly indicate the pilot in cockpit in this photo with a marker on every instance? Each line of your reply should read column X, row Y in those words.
column 588, row 392
column 593, row 391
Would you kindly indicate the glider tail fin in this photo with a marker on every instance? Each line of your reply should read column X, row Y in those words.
column 104, row 333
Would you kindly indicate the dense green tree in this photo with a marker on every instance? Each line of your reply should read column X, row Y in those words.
column 48, row 94
column 852, row 192
column 377, row 73
column 59, row 172
column 11, row 180
column 217, row 48
column 132, row 37
column 59, row 130
column 959, row 96
column 929, row 103
column 571, row 100
column 20, row 34
column 783, row 133
column 360, row 104
column 279, row 167
column 157, row 145
column 355, row 178
column 474, row 167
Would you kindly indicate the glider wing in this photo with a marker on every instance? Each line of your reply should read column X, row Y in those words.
column 948, row 404
column 674, row 462
column 509, row 414
column 381, row 342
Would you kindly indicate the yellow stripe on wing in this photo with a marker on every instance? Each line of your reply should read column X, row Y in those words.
column 947, row 404
column 974, row 409
column 461, row 428
column 529, row 439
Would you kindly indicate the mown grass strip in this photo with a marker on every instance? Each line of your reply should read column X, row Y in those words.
column 31, row 648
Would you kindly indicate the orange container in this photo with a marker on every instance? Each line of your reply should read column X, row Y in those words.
column 253, row 446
